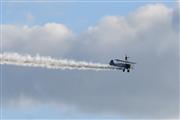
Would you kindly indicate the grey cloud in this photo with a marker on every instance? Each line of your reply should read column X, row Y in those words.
column 176, row 17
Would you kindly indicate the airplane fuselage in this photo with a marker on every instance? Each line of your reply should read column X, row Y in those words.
column 120, row 65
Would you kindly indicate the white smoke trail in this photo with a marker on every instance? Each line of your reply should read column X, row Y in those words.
column 50, row 63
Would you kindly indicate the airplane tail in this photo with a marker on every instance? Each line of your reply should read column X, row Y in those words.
column 111, row 62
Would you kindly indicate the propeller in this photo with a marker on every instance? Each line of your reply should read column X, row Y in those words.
column 132, row 67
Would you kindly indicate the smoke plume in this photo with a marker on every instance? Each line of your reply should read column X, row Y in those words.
column 50, row 63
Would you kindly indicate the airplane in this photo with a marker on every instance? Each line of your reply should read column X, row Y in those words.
column 122, row 64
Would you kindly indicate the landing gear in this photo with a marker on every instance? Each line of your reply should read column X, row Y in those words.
column 128, row 70
column 123, row 70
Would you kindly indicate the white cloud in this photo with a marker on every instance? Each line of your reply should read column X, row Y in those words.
column 150, row 27
column 46, row 39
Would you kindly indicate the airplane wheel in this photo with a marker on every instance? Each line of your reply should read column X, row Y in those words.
column 128, row 70
column 123, row 70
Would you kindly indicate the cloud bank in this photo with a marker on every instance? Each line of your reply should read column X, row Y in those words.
column 149, row 35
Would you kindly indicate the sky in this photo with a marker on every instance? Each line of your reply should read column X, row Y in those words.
column 148, row 32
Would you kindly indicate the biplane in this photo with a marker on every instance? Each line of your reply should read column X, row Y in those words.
column 122, row 64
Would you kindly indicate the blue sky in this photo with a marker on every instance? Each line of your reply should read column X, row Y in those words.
column 77, row 16
column 95, row 93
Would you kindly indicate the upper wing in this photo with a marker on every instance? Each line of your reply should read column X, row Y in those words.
column 125, row 61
